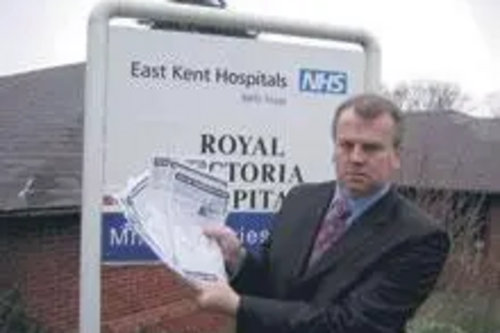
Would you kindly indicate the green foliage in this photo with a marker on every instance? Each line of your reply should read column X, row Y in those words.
column 429, row 326
column 13, row 316
column 448, row 312
column 479, row 324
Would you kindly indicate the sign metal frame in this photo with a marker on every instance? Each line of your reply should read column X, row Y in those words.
column 95, row 106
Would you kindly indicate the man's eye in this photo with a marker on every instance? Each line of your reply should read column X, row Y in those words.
column 371, row 148
column 346, row 145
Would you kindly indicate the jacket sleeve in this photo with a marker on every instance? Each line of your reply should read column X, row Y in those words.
column 382, row 302
column 252, row 276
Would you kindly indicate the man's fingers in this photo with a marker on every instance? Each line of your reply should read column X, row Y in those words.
column 198, row 286
column 227, row 240
column 216, row 231
column 203, row 289
column 222, row 234
column 211, row 230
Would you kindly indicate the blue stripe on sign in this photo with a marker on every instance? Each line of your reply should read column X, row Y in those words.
column 121, row 244
column 252, row 228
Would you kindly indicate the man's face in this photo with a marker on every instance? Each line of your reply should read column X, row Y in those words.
column 365, row 156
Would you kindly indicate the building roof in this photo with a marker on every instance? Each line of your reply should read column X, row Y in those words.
column 451, row 150
column 41, row 123
column 41, row 126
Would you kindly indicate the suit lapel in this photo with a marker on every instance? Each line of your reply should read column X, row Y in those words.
column 354, row 239
column 309, row 223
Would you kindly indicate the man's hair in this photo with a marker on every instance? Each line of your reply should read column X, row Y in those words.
column 371, row 106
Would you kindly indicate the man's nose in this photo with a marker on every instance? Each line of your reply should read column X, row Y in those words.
column 358, row 155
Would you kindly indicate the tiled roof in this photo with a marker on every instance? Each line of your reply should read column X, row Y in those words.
column 41, row 122
column 447, row 149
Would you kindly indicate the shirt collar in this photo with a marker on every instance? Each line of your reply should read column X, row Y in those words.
column 361, row 202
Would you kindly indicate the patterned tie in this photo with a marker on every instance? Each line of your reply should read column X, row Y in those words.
column 332, row 227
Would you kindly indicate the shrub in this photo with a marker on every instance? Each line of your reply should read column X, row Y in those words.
column 429, row 326
column 13, row 317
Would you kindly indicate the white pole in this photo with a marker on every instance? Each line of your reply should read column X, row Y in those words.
column 95, row 95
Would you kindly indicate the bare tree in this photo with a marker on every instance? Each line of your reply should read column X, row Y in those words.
column 492, row 103
column 428, row 95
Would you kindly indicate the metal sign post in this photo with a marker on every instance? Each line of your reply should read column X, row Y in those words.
column 97, row 80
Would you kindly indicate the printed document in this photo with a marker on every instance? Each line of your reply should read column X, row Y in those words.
column 168, row 205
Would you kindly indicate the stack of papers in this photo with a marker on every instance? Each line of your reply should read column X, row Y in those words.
column 168, row 205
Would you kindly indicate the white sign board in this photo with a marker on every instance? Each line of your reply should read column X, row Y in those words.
column 258, row 114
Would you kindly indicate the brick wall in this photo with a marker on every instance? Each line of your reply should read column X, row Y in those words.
column 150, row 297
column 40, row 256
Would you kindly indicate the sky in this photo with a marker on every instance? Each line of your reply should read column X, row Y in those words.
column 449, row 40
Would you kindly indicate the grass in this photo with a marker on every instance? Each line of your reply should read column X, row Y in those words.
column 446, row 312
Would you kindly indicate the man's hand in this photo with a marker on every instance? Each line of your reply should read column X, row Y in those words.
column 218, row 297
column 228, row 242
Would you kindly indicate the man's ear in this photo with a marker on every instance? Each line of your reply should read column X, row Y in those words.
column 396, row 159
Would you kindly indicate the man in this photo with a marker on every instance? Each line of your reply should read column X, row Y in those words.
column 372, row 267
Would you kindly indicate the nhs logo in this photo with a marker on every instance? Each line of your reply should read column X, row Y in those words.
column 323, row 82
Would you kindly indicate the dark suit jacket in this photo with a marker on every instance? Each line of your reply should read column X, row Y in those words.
column 372, row 280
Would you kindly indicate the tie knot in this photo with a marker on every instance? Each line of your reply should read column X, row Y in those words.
column 341, row 208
